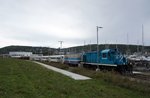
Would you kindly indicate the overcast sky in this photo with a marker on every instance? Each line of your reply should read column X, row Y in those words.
column 45, row 22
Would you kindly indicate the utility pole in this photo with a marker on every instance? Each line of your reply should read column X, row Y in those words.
column 128, row 50
column 106, row 45
column 142, row 39
column 90, row 46
column 83, row 48
column 60, row 45
column 97, row 47
column 116, row 45
column 137, row 46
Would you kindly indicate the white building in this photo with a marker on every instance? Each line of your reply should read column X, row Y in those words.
column 20, row 54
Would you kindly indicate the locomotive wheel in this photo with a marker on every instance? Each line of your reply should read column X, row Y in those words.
column 130, row 69
column 122, row 69
column 126, row 70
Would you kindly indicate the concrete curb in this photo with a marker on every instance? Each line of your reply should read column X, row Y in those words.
column 64, row 72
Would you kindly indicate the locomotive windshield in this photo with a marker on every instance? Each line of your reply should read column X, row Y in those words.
column 104, row 55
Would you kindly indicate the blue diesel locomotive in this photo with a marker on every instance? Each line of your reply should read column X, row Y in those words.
column 108, row 58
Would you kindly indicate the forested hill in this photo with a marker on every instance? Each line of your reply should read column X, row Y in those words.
column 121, row 47
column 35, row 50
column 86, row 48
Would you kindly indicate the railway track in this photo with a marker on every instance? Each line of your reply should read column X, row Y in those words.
column 140, row 77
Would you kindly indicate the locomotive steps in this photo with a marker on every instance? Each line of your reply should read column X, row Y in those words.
column 64, row 72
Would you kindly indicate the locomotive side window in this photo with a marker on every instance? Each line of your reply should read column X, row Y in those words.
column 104, row 55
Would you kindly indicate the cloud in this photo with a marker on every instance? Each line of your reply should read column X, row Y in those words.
column 41, row 22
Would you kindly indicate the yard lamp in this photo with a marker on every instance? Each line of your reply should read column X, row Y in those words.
column 97, row 27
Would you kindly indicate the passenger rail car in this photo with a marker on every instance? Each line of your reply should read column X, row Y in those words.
column 56, row 58
column 72, row 59
column 39, row 58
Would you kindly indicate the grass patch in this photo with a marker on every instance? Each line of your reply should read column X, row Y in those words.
column 24, row 79
column 110, row 77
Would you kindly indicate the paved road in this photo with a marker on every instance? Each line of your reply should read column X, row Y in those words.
column 64, row 72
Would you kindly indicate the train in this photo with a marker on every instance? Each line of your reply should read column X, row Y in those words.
column 104, row 59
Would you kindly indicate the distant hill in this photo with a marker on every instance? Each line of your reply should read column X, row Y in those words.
column 35, row 50
column 86, row 48
column 121, row 47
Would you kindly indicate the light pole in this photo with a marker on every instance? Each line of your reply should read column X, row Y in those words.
column 97, row 48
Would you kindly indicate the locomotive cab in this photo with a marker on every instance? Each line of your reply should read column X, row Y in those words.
column 107, row 56
column 112, row 56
